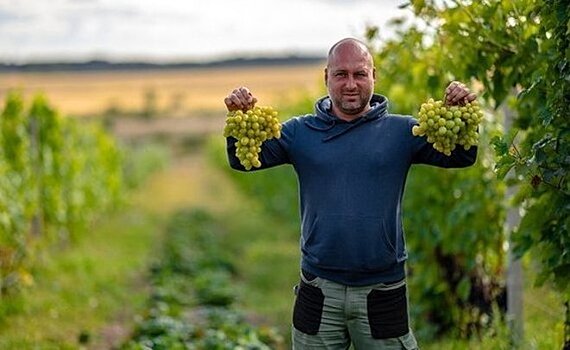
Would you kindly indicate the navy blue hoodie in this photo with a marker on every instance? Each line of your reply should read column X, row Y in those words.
column 351, row 179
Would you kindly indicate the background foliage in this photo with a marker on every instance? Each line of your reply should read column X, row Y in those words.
column 518, row 53
column 55, row 177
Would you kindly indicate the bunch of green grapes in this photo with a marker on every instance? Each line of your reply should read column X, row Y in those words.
column 448, row 126
column 251, row 128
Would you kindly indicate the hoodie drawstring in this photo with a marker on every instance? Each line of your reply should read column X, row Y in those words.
column 345, row 130
column 326, row 128
column 334, row 123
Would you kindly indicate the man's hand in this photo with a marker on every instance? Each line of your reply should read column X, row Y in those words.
column 240, row 98
column 458, row 94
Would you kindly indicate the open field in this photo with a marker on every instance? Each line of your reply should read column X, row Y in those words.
column 171, row 92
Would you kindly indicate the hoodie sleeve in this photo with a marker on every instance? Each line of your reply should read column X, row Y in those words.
column 274, row 152
column 424, row 153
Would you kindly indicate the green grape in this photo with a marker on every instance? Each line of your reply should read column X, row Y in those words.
column 446, row 127
column 251, row 128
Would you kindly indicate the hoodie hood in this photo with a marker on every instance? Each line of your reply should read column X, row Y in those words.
column 332, row 126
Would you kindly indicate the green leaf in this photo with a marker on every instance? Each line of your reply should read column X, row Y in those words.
column 504, row 165
column 499, row 89
column 463, row 288
column 545, row 116
column 521, row 247
column 501, row 147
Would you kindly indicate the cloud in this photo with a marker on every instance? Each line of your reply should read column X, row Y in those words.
column 121, row 28
column 7, row 17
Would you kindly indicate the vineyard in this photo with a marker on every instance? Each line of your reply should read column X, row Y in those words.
column 57, row 177
column 136, row 241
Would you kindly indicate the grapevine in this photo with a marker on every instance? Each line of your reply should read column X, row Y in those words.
column 56, row 175
column 251, row 128
column 449, row 126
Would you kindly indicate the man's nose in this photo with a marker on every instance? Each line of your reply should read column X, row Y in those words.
column 350, row 82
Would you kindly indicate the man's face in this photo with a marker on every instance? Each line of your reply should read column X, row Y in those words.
column 350, row 80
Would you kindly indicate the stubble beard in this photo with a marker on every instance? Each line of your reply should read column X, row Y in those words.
column 353, row 107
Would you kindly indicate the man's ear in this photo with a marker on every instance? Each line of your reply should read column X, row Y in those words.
column 374, row 73
column 326, row 76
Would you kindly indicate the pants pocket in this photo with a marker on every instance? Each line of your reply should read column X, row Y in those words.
column 408, row 341
column 388, row 313
column 308, row 309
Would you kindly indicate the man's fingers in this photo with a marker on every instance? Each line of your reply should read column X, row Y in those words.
column 244, row 94
column 230, row 105
column 451, row 87
column 240, row 98
column 454, row 91
column 460, row 96
column 239, row 93
column 450, row 93
column 236, row 102
column 453, row 96
column 458, row 93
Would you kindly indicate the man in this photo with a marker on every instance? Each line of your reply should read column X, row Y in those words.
column 351, row 158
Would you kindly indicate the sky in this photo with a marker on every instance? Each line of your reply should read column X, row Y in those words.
column 182, row 30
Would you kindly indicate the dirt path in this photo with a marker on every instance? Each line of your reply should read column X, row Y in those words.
column 190, row 180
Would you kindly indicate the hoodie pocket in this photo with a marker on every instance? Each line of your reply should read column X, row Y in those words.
column 349, row 242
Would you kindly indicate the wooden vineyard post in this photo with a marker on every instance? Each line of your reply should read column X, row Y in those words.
column 515, row 319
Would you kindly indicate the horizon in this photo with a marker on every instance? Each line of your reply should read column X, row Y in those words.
column 166, row 61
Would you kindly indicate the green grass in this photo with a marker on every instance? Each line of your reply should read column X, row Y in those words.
column 543, row 313
column 90, row 290
column 93, row 289
column 267, row 260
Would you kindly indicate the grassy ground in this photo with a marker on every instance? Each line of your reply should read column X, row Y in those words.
column 89, row 292
column 94, row 289
column 267, row 260
column 543, row 325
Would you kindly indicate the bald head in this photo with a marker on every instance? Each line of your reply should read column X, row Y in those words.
column 352, row 47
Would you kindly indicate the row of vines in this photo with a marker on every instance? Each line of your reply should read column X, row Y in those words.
column 193, row 297
column 56, row 175
column 516, row 55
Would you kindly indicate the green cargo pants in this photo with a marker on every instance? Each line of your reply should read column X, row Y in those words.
column 328, row 315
